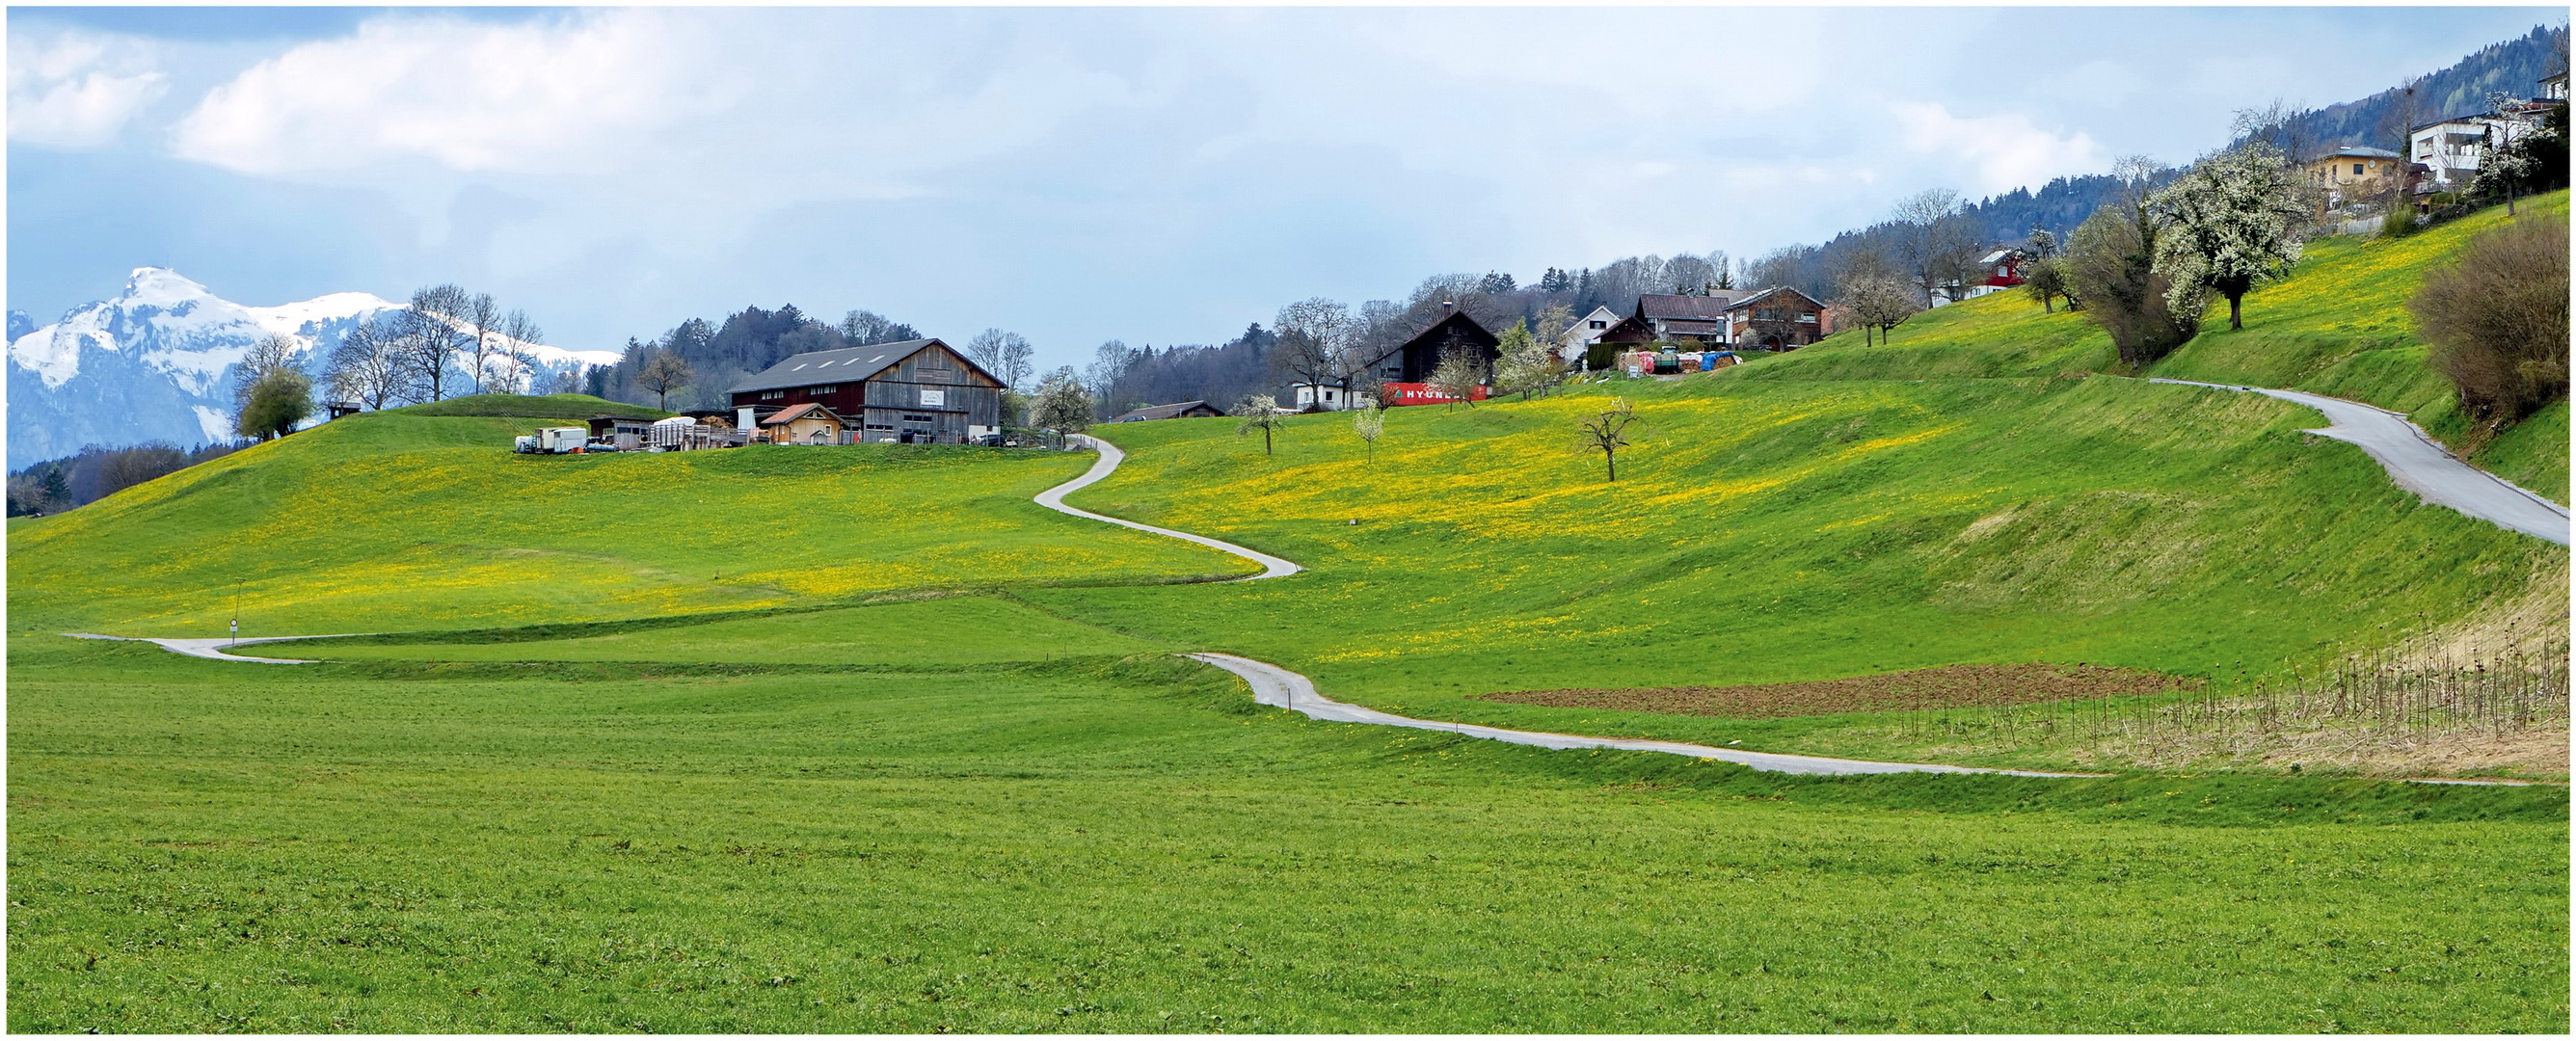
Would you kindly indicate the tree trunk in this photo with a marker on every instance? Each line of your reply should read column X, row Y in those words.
column 1611, row 457
column 1265, row 441
column 2236, row 310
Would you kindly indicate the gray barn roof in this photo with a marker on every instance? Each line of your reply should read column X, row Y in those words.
column 846, row 365
column 1158, row 411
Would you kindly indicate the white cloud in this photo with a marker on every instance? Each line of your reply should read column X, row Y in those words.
column 2005, row 150
column 468, row 96
column 77, row 90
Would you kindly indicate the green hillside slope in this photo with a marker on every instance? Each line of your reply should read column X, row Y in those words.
column 404, row 520
column 2338, row 325
column 1777, row 530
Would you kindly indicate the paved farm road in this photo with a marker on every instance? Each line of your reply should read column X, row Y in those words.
column 1272, row 685
column 2420, row 465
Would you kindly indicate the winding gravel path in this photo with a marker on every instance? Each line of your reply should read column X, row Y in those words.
column 1272, row 685
column 1110, row 457
column 2421, row 465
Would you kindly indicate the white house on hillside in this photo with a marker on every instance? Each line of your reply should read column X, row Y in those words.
column 1585, row 332
column 2449, row 149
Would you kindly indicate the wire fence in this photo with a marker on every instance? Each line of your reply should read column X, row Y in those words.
column 2389, row 696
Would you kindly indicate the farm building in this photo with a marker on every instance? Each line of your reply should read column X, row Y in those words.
column 626, row 432
column 1176, row 410
column 1413, row 360
column 1686, row 319
column 806, row 424
column 915, row 391
column 1776, row 319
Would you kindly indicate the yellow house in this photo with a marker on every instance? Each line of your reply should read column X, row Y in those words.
column 2353, row 173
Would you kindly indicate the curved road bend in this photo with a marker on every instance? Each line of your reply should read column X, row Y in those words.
column 2420, row 465
column 1272, row 685
column 214, row 648
column 1110, row 457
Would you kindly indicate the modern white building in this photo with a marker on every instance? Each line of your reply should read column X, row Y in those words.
column 2449, row 149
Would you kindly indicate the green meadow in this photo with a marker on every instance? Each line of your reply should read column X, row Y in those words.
column 860, row 739
column 1125, row 844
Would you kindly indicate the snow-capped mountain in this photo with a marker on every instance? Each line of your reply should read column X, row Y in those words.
column 156, row 363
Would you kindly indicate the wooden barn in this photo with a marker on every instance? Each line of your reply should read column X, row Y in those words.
column 1413, row 360
column 1176, row 410
column 919, row 391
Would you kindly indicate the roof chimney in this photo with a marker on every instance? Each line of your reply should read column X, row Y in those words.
column 1447, row 306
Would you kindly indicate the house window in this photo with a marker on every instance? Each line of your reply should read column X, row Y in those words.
column 1600, row 324
column 934, row 398
column 910, row 418
column 2356, row 169
column 824, row 389
column 772, row 395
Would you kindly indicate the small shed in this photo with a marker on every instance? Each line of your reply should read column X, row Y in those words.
column 606, row 427
column 806, row 424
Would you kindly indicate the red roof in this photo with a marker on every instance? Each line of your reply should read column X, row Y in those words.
column 793, row 413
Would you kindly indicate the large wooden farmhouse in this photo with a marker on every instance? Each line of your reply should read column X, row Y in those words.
column 918, row 391
column 1413, row 360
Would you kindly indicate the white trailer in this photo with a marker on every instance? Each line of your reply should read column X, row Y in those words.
column 559, row 440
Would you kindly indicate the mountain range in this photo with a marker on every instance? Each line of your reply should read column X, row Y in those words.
column 156, row 363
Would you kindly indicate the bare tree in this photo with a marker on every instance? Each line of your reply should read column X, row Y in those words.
column 1369, row 422
column 2497, row 320
column 1259, row 412
column 1880, row 301
column 431, row 335
column 480, row 318
column 1007, row 355
column 516, row 341
column 1317, row 341
column 1607, row 433
column 368, row 366
column 2111, row 262
column 1933, row 239
column 663, row 373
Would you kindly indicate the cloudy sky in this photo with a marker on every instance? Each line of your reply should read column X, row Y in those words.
column 1154, row 175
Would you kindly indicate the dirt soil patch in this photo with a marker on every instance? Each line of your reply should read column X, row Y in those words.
column 1950, row 686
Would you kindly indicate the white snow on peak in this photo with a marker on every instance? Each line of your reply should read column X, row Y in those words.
column 218, row 427
column 291, row 319
column 161, row 287
column 55, row 359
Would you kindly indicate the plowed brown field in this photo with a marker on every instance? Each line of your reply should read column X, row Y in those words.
column 1950, row 686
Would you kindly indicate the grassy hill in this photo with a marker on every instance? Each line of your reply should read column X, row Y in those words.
column 858, row 739
column 421, row 518
column 2338, row 325
column 1774, row 530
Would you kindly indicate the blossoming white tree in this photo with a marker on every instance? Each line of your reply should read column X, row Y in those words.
column 2228, row 223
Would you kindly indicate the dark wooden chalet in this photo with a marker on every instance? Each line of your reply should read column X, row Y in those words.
column 917, row 390
column 1775, row 319
column 1413, row 360
column 1176, row 410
